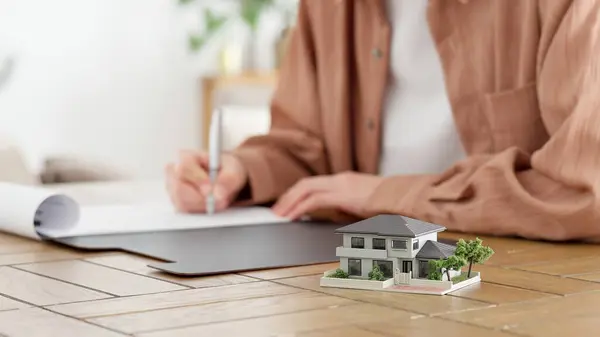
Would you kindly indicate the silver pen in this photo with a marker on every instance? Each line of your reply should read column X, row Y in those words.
column 214, row 158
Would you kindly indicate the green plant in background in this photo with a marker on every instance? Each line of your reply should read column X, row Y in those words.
column 250, row 11
column 212, row 25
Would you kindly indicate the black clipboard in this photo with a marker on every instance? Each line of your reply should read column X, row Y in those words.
column 221, row 250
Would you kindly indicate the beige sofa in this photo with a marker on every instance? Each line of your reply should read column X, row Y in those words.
column 14, row 169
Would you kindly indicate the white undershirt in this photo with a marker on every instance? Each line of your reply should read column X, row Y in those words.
column 419, row 134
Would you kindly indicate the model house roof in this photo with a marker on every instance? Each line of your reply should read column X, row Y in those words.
column 392, row 225
column 435, row 250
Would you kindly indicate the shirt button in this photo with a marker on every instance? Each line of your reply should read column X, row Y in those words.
column 377, row 53
column 370, row 124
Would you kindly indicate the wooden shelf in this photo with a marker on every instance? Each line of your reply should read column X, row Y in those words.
column 211, row 84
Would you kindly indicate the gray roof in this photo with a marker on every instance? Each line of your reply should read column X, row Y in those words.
column 392, row 225
column 435, row 250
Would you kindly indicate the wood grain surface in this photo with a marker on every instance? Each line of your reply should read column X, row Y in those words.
column 528, row 289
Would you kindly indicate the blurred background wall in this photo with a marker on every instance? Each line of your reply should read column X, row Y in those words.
column 114, row 81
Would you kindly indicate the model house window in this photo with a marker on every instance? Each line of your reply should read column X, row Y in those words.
column 357, row 243
column 387, row 267
column 399, row 244
column 379, row 244
column 354, row 267
column 416, row 245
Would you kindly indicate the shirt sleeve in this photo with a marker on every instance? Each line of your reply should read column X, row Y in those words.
column 293, row 148
column 552, row 194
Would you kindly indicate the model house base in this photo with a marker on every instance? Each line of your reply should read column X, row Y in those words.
column 401, row 254
column 414, row 286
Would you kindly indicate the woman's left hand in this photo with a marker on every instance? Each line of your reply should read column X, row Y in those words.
column 347, row 192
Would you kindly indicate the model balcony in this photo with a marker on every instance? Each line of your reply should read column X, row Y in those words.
column 361, row 253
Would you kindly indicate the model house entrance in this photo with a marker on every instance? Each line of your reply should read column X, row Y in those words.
column 406, row 266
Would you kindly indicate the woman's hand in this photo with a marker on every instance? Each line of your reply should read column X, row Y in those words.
column 347, row 192
column 188, row 182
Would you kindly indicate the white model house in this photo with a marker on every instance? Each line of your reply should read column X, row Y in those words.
column 400, row 246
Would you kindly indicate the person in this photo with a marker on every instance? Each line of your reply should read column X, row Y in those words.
column 482, row 116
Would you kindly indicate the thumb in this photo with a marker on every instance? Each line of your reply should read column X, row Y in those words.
column 220, row 191
column 224, row 187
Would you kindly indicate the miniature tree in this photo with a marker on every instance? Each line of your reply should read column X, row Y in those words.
column 453, row 262
column 435, row 270
column 473, row 252
column 437, row 267
column 376, row 274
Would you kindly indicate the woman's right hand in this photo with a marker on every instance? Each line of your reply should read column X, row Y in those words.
column 188, row 183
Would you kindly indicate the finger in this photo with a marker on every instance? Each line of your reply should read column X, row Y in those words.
column 228, row 183
column 200, row 157
column 313, row 203
column 171, row 183
column 189, row 199
column 195, row 169
column 193, row 166
column 194, row 175
column 299, row 192
column 222, row 195
column 222, row 204
column 184, row 196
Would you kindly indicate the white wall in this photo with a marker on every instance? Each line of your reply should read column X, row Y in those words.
column 108, row 80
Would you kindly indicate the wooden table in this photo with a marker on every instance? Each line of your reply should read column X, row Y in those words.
column 530, row 289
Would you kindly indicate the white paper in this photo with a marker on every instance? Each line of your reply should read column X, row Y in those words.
column 36, row 212
column 152, row 217
column 22, row 206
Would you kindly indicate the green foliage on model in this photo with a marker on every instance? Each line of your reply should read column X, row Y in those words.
column 339, row 273
column 376, row 274
column 452, row 262
column 435, row 272
column 473, row 251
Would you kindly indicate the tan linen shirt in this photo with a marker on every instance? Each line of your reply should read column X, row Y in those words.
column 523, row 78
